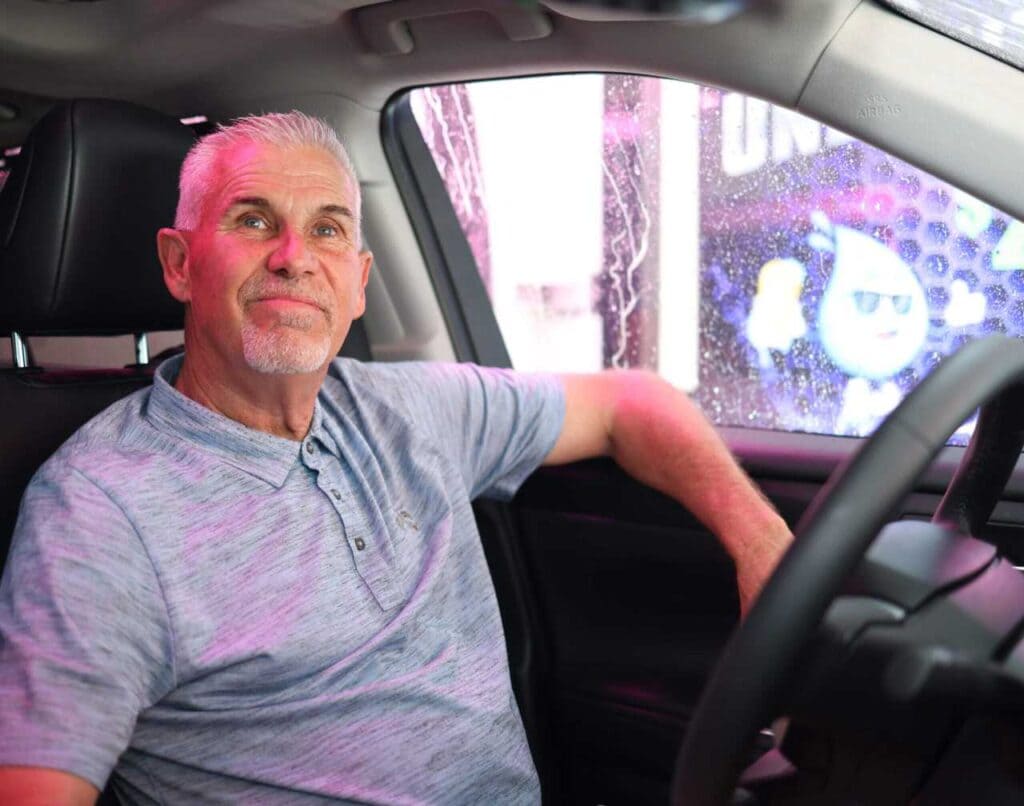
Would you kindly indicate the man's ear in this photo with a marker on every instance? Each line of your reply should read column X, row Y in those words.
column 365, row 262
column 173, row 251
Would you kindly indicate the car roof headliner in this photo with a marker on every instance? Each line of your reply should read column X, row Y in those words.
column 951, row 110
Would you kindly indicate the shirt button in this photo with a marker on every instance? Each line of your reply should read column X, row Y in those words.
column 336, row 494
column 309, row 447
column 360, row 544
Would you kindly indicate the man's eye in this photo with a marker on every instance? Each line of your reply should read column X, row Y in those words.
column 253, row 222
column 327, row 230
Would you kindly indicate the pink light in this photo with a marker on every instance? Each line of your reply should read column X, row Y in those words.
column 879, row 204
column 710, row 99
column 622, row 126
column 839, row 204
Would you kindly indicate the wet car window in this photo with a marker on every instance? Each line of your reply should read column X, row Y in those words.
column 789, row 276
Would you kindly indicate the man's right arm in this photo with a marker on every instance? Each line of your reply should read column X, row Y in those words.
column 39, row 786
column 85, row 643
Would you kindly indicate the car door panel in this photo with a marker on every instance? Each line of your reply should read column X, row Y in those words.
column 627, row 601
column 630, row 601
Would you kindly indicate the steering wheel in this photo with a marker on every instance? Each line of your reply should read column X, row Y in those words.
column 749, row 681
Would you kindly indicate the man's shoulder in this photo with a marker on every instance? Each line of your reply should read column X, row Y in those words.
column 357, row 371
column 370, row 379
column 427, row 382
column 365, row 386
column 439, row 394
column 113, row 436
column 370, row 376
column 402, row 386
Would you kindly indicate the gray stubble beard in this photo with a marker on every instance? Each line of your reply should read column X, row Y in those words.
column 284, row 349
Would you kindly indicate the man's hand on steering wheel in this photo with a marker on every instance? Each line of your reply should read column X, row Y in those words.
column 918, row 645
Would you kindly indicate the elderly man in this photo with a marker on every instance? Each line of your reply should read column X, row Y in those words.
column 260, row 580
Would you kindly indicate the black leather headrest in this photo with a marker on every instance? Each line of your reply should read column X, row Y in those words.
column 78, row 220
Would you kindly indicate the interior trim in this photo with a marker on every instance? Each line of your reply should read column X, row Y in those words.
column 464, row 302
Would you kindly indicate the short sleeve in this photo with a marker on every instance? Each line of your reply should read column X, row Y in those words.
column 496, row 425
column 85, row 643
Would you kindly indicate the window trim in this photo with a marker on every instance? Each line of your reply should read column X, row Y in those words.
column 461, row 293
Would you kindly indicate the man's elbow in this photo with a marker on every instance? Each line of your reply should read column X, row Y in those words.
column 640, row 398
column 41, row 786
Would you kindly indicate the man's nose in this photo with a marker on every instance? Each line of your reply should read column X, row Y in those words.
column 291, row 253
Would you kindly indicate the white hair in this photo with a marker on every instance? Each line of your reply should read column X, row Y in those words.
column 290, row 129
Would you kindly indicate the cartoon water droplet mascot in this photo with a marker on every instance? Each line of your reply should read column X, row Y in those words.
column 872, row 321
column 776, row 318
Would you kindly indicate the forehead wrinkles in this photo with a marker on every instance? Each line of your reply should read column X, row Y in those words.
column 283, row 177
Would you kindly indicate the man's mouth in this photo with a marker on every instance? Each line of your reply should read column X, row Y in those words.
column 288, row 301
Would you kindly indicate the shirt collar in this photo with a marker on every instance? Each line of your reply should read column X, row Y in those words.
column 263, row 455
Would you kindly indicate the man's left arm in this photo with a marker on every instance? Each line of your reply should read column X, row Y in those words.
column 658, row 436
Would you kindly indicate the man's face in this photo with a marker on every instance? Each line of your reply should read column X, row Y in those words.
column 273, row 276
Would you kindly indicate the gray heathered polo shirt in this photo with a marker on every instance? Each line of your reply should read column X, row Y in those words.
column 231, row 617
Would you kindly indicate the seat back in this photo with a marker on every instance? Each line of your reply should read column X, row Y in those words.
column 78, row 220
column 43, row 410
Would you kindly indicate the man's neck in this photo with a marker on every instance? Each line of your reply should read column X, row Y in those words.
column 281, row 405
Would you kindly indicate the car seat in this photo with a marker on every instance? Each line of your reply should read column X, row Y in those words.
column 79, row 214
column 78, row 219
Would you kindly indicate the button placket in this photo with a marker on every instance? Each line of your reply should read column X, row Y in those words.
column 329, row 484
column 311, row 457
column 342, row 489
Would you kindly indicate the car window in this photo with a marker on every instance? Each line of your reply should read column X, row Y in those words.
column 992, row 26
column 787, row 275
